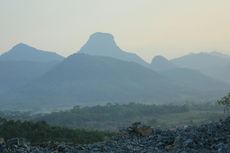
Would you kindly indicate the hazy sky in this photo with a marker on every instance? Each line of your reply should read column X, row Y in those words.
column 147, row 27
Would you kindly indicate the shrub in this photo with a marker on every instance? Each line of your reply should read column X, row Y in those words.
column 225, row 101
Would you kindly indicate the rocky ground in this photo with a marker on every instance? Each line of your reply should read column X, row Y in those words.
column 213, row 137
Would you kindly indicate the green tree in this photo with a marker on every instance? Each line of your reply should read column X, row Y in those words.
column 225, row 101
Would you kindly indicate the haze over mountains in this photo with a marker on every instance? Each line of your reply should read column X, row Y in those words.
column 186, row 77
column 23, row 52
column 103, row 44
column 88, row 80
column 23, row 64
column 160, row 63
column 101, row 72
column 212, row 64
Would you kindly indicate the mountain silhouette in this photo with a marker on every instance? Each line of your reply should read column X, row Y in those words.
column 15, row 74
column 23, row 52
column 89, row 80
column 195, row 80
column 161, row 63
column 23, row 64
column 187, row 77
column 212, row 64
column 103, row 44
column 102, row 73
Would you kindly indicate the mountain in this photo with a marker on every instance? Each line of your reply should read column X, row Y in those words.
column 161, row 63
column 23, row 64
column 188, row 78
column 196, row 80
column 102, row 73
column 23, row 52
column 15, row 74
column 89, row 80
column 103, row 44
column 213, row 64
column 220, row 55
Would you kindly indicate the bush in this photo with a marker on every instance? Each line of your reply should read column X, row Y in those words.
column 225, row 101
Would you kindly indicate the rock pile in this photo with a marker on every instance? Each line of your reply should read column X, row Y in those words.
column 213, row 137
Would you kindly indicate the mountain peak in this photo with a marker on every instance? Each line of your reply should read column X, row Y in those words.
column 161, row 63
column 100, row 44
column 22, row 47
column 159, row 58
column 102, row 35
column 103, row 44
column 24, row 52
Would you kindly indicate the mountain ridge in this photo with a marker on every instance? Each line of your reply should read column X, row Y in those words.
column 24, row 52
column 103, row 44
column 86, row 79
column 23, row 64
column 101, row 72
column 214, row 65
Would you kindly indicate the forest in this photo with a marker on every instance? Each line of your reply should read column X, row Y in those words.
column 41, row 132
column 113, row 117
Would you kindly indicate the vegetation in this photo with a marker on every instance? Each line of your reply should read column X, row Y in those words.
column 41, row 132
column 112, row 117
column 225, row 101
column 115, row 116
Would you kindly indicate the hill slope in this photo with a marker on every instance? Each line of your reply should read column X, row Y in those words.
column 195, row 80
column 86, row 80
column 103, row 44
column 212, row 64
column 23, row 52
column 160, row 63
column 23, row 64
column 188, row 78
column 15, row 74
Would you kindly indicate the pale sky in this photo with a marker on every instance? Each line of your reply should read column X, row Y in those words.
column 146, row 27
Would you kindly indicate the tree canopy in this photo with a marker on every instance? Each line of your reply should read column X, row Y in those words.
column 225, row 101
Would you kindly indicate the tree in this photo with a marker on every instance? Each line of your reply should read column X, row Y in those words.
column 225, row 101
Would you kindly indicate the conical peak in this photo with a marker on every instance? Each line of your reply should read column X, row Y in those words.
column 24, row 52
column 21, row 46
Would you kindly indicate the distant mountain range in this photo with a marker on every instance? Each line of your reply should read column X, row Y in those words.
column 23, row 52
column 23, row 64
column 186, row 77
column 88, row 80
column 101, row 73
column 103, row 44
column 215, row 65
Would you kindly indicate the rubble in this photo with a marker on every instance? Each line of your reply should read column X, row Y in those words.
column 213, row 137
